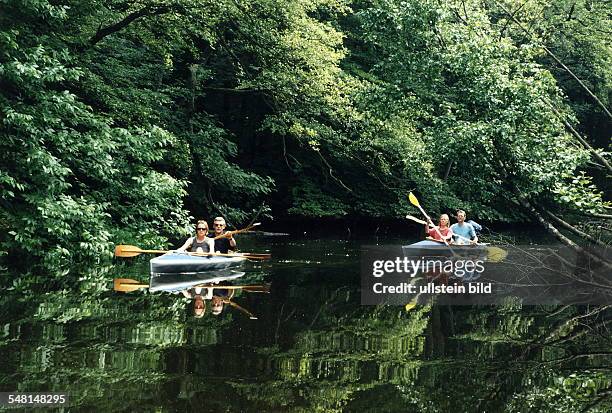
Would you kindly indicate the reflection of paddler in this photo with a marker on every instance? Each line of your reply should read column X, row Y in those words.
column 198, row 294
column 220, row 296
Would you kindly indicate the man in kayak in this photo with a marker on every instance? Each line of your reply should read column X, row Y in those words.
column 463, row 232
column 223, row 245
column 442, row 231
column 201, row 242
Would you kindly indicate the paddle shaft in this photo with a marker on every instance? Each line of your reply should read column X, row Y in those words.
column 219, row 254
column 135, row 285
column 238, row 231
column 244, row 310
column 132, row 251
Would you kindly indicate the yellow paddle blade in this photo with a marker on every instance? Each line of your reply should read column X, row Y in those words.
column 496, row 254
column 411, row 305
column 127, row 251
column 413, row 199
column 127, row 284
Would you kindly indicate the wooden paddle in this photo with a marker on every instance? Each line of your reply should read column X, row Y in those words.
column 238, row 231
column 128, row 284
column 132, row 251
column 414, row 201
column 244, row 310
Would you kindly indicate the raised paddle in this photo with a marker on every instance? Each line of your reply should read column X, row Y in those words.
column 238, row 231
column 132, row 251
column 244, row 310
column 414, row 201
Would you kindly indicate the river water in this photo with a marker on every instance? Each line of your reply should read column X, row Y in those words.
column 313, row 348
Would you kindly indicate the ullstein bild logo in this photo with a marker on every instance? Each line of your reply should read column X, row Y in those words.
column 397, row 275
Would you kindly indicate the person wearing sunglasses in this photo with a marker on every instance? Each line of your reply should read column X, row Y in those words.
column 201, row 242
column 223, row 245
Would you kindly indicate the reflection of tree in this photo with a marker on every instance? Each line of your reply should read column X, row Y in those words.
column 539, row 353
column 315, row 348
column 551, row 275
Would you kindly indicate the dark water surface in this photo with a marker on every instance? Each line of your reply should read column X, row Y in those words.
column 314, row 348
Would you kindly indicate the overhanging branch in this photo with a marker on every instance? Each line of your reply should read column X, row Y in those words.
column 121, row 24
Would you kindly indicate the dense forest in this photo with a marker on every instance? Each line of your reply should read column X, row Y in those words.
column 121, row 121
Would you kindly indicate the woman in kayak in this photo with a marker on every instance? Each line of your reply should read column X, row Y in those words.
column 201, row 242
column 441, row 232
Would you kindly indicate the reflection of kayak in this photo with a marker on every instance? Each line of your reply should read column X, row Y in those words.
column 179, row 282
column 175, row 263
column 428, row 248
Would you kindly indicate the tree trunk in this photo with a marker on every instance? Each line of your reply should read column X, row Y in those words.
column 557, row 234
column 575, row 230
column 584, row 143
column 556, row 59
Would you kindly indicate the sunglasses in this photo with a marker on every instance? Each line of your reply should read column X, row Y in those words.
column 219, row 225
column 202, row 229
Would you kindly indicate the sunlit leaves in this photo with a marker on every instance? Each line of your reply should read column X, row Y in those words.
column 67, row 169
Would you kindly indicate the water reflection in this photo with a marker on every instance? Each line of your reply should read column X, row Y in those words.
column 313, row 347
column 182, row 282
column 214, row 289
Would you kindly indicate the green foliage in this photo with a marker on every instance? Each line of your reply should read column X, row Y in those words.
column 564, row 394
column 581, row 194
column 578, row 33
column 119, row 120
column 486, row 121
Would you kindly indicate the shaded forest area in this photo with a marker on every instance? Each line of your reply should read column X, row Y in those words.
column 120, row 120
